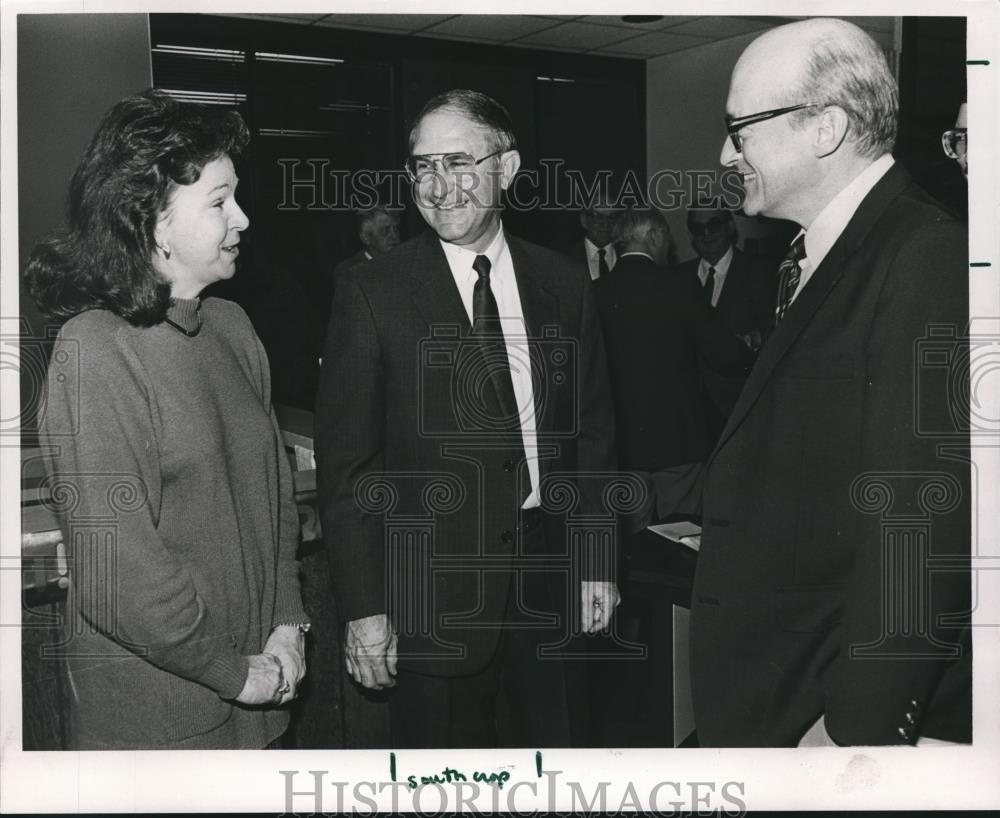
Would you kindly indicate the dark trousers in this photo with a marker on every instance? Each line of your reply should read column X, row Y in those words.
column 533, row 692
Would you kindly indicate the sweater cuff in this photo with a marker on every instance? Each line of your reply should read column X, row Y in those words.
column 227, row 675
column 288, row 606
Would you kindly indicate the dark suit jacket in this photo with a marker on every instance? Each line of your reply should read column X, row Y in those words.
column 577, row 251
column 746, row 305
column 420, row 498
column 826, row 492
column 656, row 327
column 748, row 295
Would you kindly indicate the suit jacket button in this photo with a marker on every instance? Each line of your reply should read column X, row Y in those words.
column 507, row 535
column 906, row 733
column 509, row 465
column 915, row 706
column 910, row 718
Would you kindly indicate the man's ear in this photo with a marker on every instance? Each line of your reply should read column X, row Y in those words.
column 830, row 129
column 510, row 163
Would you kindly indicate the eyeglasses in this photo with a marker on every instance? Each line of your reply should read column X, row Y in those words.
column 713, row 225
column 419, row 166
column 954, row 139
column 734, row 124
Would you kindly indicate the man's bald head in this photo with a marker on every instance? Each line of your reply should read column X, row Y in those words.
column 827, row 62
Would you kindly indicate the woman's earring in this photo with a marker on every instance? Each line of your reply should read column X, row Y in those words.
column 165, row 249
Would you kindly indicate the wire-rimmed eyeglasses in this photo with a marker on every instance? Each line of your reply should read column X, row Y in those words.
column 734, row 124
column 422, row 164
column 954, row 139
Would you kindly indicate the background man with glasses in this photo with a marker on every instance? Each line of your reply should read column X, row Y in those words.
column 740, row 288
column 818, row 607
column 954, row 142
column 462, row 370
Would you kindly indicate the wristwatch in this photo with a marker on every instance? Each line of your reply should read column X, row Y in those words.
column 303, row 627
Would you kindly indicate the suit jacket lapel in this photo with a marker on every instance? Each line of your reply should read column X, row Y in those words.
column 811, row 297
column 435, row 294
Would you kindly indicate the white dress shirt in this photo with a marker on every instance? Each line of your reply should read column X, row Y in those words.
column 721, row 268
column 503, row 283
column 832, row 219
column 593, row 257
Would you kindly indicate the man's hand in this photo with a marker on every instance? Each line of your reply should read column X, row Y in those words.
column 599, row 600
column 287, row 644
column 263, row 680
column 370, row 651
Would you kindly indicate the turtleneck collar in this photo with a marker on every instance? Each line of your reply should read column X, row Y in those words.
column 184, row 315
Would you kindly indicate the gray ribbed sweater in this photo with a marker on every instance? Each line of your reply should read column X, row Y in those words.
column 175, row 498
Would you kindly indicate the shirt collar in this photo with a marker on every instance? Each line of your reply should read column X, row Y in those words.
column 832, row 219
column 460, row 260
column 592, row 249
column 637, row 253
column 721, row 266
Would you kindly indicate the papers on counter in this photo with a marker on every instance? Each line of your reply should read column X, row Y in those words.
column 684, row 533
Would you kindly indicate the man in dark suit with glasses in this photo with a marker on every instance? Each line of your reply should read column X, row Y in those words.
column 464, row 390
column 832, row 591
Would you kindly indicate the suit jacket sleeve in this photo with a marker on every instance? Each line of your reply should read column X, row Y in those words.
column 596, row 452
column 350, row 440
column 871, row 693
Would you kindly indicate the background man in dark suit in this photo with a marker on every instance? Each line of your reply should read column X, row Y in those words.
column 595, row 250
column 818, row 612
column 740, row 287
column 462, row 371
column 378, row 232
column 659, row 331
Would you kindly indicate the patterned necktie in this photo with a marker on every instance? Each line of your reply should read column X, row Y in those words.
column 602, row 263
column 486, row 327
column 709, row 288
column 788, row 277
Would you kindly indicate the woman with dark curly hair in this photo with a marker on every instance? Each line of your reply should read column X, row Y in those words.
column 165, row 464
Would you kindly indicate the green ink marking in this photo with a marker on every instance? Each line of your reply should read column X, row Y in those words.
column 392, row 766
column 977, row 62
column 979, row 264
column 538, row 762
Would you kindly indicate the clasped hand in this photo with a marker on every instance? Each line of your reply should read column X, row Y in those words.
column 274, row 675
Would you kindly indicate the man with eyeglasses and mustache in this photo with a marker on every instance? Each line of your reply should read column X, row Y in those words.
column 463, row 370
column 822, row 611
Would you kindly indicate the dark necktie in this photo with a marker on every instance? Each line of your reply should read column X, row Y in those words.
column 788, row 277
column 709, row 287
column 602, row 263
column 486, row 327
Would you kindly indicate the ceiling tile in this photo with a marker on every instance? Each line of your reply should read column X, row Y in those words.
column 655, row 44
column 288, row 18
column 612, row 20
column 495, row 27
column 458, row 38
column 577, row 35
column 384, row 22
column 719, row 28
